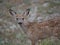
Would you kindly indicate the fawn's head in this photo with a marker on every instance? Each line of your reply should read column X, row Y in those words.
column 20, row 18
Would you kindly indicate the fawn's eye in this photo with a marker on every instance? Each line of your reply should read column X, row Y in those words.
column 16, row 18
column 22, row 18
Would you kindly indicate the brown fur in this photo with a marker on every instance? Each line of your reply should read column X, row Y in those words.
column 43, row 30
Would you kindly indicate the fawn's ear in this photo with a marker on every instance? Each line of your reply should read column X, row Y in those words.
column 13, row 13
column 27, row 11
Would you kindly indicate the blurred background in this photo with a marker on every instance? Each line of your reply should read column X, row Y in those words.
column 10, row 32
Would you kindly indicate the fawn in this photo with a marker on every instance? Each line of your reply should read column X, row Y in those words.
column 38, row 30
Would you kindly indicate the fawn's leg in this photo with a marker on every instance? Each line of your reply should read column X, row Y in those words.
column 33, row 42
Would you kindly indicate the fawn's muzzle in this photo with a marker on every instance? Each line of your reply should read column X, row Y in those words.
column 20, row 23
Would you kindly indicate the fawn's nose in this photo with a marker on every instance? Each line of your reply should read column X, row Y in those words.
column 20, row 23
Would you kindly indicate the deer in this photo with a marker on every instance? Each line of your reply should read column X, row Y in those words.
column 36, row 31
